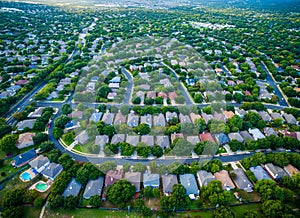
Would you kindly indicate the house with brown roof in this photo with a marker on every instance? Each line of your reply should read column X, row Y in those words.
column 168, row 182
column 228, row 114
column 206, row 137
column 194, row 117
column 151, row 94
column 220, row 117
column 175, row 136
column 163, row 95
column 25, row 140
column 225, row 179
column 172, row 95
column 135, row 179
column 291, row 170
column 112, row 176
column 119, row 119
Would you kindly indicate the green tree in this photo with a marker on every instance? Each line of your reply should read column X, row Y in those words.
column 8, row 143
column 157, row 151
column 120, row 192
column 65, row 160
column 139, row 167
column 143, row 150
column 66, row 109
column 95, row 201
column 39, row 138
column 222, row 212
column 143, row 129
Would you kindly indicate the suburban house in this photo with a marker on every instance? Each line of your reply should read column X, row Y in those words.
column 259, row 173
column 241, row 180
column 175, row 136
column 193, row 139
column 52, row 171
column 276, row 115
column 96, row 117
column 135, row 179
column 240, row 112
column 163, row 141
column 76, row 114
column 101, row 140
column 265, row 116
column 256, row 133
column 190, row 184
column 39, row 163
column 82, row 138
column 269, row 131
column 290, row 119
column 119, row 119
column 221, row 138
column 37, row 113
column 225, row 179
column 246, row 136
column 159, row 120
column 151, row 180
column 112, row 176
column 194, row 117
column 147, row 119
column 235, row 136
column 274, row 171
column 228, row 114
column 291, row 170
column 133, row 139
column 117, row 138
column 184, row 118
column 72, row 189
column 220, row 117
column 207, row 117
column 108, row 118
column 72, row 124
column 168, row 182
column 148, row 139
column 132, row 120
column 25, row 124
column 25, row 140
column 206, row 137
column 24, row 158
column 171, row 115
column 204, row 177
column 93, row 187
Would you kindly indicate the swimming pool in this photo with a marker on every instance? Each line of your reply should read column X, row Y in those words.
column 26, row 176
column 41, row 186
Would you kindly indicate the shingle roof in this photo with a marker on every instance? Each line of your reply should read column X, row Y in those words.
column 73, row 189
column 246, row 136
column 163, row 141
column 151, row 180
column 132, row 139
column 241, row 180
column 222, row 138
column 93, row 187
column 148, row 139
column 24, row 158
column 118, row 138
column 39, row 162
column 235, row 135
column 159, row 120
column 193, row 139
column 168, row 182
column 275, row 171
column 52, row 170
column 96, row 117
column 134, row 178
column 226, row 181
column 101, row 140
column 205, row 177
column 259, row 173
column 190, row 184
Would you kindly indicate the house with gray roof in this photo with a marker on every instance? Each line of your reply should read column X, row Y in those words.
column 117, row 138
column 193, row 139
column 269, row 131
column 148, row 139
column 108, row 118
column 265, row 116
column 168, row 182
column 163, row 141
column 93, row 187
column 184, row 118
column 221, row 138
column 290, row 119
column 135, row 179
column 274, row 171
column 52, row 171
column 96, row 117
column 101, row 140
column 159, row 120
column 220, row 117
column 151, row 180
column 259, row 173
column 276, row 115
column 246, row 136
column 235, row 136
column 190, row 184
column 72, row 189
column 204, row 177
column 37, row 113
column 241, row 180
column 147, row 119
column 133, row 139
column 256, row 133
column 39, row 163
column 240, row 112
column 132, row 120
column 25, row 124
column 82, row 138
column 170, row 115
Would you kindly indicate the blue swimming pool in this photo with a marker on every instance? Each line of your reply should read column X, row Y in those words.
column 26, row 176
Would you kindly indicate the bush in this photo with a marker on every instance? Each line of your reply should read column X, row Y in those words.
column 39, row 202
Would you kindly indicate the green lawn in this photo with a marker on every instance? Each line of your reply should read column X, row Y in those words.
column 240, row 210
column 31, row 212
